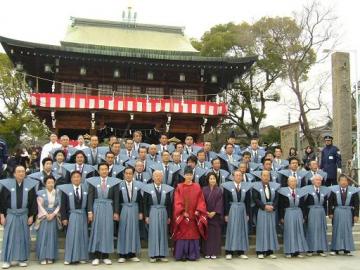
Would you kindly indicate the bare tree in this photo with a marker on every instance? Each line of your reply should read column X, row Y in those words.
column 313, row 30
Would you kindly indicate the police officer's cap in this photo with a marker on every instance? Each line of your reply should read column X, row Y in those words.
column 328, row 137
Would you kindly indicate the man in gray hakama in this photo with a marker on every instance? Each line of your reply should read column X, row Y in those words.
column 131, row 211
column 157, row 200
column 103, row 209
column 237, row 199
column 17, row 211
column 315, row 216
column 266, row 199
column 344, row 212
column 291, row 203
column 74, row 219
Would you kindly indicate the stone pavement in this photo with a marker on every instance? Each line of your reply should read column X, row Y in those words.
column 308, row 263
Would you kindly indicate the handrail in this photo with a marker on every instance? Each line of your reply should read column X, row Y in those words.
column 74, row 87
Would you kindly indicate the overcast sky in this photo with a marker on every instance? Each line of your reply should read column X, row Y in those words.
column 45, row 21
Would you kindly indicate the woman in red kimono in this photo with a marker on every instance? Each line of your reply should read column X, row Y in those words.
column 189, row 218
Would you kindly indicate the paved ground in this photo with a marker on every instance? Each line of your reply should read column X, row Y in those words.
column 307, row 263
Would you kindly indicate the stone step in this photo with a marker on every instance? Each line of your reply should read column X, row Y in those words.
column 144, row 253
column 252, row 238
column 252, row 241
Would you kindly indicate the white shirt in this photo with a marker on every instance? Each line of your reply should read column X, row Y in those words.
column 292, row 173
column 158, row 188
column 313, row 173
column 163, row 147
column 267, row 191
column 201, row 164
column 47, row 148
column 188, row 149
column 79, row 190
column 129, row 188
column 164, row 166
column 79, row 167
column 216, row 172
column 138, row 175
column 51, row 198
column 292, row 190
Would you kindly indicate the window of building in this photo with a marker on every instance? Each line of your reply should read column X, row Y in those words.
column 155, row 92
column 105, row 89
column 190, row 94
column 69, row 88
column 128, row 90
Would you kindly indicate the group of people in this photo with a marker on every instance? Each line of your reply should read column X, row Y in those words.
column 182, row 192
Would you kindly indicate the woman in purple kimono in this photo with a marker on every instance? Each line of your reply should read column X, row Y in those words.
column 214, row 204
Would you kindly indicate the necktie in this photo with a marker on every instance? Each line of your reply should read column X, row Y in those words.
column 103, row 184
column 267, row 193
column 65, row 152
column 158, row 194
column 129, row 191
column 166, row 173
column 294, row 174
column 255, row 157
column 293, row 194
column 94, row 156
column 207, row 156
column 129, row 154
column 60, row 169
column 318, row 193
column 77, row 193
column 343, row 196
column 79, row 168
column 237, row 187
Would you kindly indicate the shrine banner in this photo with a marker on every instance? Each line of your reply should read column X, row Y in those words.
column 126, row 104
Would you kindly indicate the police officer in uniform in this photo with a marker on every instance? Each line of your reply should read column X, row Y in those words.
column 330, row 161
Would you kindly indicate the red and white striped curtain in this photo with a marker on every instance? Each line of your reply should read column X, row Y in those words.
column 126, row 104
